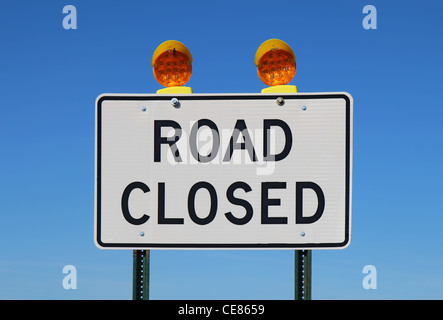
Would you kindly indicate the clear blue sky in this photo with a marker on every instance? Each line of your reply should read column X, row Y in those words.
column 50, row 78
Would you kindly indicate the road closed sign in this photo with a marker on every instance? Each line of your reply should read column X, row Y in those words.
column 223, row 171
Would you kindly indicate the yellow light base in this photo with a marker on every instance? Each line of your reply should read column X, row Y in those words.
column 175, row 90
column 280, row 89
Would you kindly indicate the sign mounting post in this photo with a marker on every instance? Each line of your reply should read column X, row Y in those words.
column 140, row 275
column 303, row 274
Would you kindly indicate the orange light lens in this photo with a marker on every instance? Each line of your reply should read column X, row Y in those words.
column 172, row 68
column 276, row 67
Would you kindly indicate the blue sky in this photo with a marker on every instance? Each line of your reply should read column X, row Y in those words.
column 50, row 78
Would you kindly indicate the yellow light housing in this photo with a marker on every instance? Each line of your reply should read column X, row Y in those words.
column 275, row 62
column 172, row 64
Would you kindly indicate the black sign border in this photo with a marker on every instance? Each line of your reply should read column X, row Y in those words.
column 294, row 96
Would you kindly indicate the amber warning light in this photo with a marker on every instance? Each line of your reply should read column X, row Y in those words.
column 172, row 64
column 275, row 62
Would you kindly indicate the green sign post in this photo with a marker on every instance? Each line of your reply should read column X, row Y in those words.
column 140, row 275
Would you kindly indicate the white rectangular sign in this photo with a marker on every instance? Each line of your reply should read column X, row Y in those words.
column 208, row 171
